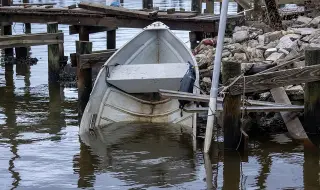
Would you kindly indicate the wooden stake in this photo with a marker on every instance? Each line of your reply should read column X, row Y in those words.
column 53, row 55
column 84, row 76
column 231, row 108
column 111, row 39
column 196, row 5
column 231, row 170
column 147, row 4
column 312, row 96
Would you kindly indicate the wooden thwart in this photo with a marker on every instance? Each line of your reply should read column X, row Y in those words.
column 266, row 81
column 26, row 40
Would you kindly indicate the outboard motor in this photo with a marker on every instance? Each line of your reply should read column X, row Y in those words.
column 186, row 84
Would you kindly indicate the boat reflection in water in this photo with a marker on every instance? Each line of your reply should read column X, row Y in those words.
column 141, row 155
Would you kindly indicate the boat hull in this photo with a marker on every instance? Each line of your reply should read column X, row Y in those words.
column 108, row 104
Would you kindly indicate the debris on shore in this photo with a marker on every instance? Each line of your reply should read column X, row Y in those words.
column 257, row 48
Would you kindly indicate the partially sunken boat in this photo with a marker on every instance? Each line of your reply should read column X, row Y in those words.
column 126, row 88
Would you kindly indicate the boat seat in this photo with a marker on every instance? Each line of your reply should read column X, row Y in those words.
column 147, row 78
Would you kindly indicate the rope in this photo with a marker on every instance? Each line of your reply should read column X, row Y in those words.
column 243, row 110
column 232, row 83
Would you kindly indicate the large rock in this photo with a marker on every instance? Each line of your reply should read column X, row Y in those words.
column 315, row 22
column 270, row 51
column 272, row 36
column 281, row 50
column 254, row 54
column 226, row 53
column 272, row 44
column 239, row 57
column 286, row 43
column 253, row 43
column 275, row 56
column 293, row 36
column 314, row 35
column 201, row 60
column 303, row 31
column 303, row 20
column 293, row 54
column 235, row 48
column 240, row 36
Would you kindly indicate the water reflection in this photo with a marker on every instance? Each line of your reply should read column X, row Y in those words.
column 142, row 155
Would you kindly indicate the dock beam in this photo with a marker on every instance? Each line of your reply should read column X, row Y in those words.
column 312, row 96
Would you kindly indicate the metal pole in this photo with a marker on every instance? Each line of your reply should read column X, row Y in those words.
column 216, row 74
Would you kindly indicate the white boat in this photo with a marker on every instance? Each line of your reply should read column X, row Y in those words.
column 126, row 88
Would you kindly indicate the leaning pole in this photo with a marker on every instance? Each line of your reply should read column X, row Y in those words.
column 216, row 75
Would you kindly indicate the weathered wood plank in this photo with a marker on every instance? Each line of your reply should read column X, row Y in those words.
column 293, row 125
column 34, row 4
column 252, row 109
column 26, row 40
column 283, row 65
column 117, row 11
column 112, row 22
column 95, row 59
column 74, row 29
column 205, row 98
column 276, row 79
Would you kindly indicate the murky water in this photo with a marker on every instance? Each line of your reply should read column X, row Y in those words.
column 40, row 147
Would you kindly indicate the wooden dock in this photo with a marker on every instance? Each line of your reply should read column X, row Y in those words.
column 102, row 17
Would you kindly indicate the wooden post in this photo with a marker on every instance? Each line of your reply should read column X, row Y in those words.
column 273, row 14
column 7, row 30
column 312, row 96
column 53, row 56
column 84, row 76
column 210, row 6
column 83, row 34
column 231, row 108
column 196, row 5
column 231, row 170
column 23, row 52
column 195, row 36
column 111, row 39
column 147, row 4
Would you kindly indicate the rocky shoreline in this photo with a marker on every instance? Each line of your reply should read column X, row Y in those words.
column 256, row 47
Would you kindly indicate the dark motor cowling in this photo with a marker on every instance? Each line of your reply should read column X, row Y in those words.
column 187, row 83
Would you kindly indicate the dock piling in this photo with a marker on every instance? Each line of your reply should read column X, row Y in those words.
column 312, row 96
column 84, row 82
column 53, row 55
column 147, row 4
column 111, row 39
column 231, row 108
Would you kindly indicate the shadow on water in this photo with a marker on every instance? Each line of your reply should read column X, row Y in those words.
column 143, row 155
